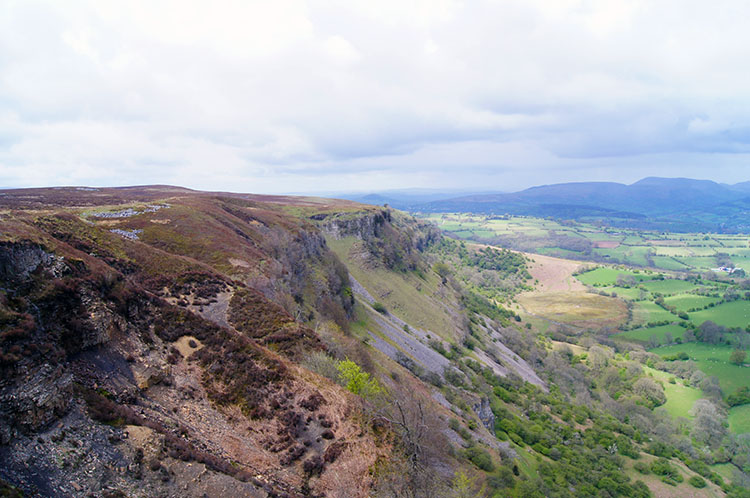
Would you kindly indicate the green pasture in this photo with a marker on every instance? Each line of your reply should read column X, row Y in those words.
column 699, row 262
column 712, row 360
column 632, row 293
column 607, row 276
column 685, row 302
column 647, row 311
column 659, row 333
column 669, row 263
column 739, row 419
column 680, row 398
column 733, row 314
column 669, row 286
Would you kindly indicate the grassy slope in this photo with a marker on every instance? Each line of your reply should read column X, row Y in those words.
column 407, row 296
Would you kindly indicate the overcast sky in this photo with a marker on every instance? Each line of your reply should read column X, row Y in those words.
column 294, row 96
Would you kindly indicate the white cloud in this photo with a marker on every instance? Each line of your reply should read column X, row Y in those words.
column 300, row 95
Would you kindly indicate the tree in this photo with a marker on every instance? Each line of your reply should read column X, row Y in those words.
column 710, row 332
column 358, row 381
column 462, row 486
column 708, row 424
column 650, row 390
column 738, row 357
column 442, row 270
column 624, row 280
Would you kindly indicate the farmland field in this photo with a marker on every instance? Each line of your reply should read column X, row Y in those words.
column 680, row 398
column 669, row 286
column 688, row 302
column 739, row 419
column 606, row 276
column 734, row 314
column 713, row 360
column 658, row 333
column 583, row 241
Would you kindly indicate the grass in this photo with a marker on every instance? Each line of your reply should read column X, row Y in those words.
column 632, row 293
column 647, row 312
column 606, row 276
column 680, row 398
column 713, row 360
column 580, row 308
column 739, row 419
column 733, row 314
column 669, row 286
column 659, row 333
column 667, row 251
column 407, row 296
column 686, row 302
column 725, row 470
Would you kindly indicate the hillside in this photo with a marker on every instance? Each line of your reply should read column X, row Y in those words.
column 676, row 204
column 159, row 341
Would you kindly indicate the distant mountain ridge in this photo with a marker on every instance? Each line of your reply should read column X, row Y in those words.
column 678, row 204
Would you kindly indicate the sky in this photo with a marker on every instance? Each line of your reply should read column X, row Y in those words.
column 279, row 96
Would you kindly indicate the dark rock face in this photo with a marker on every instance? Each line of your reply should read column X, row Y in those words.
column 45, row 397
column 484, row 412
column 19, row 260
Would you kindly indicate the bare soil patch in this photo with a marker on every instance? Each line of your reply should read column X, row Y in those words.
column 187, row 345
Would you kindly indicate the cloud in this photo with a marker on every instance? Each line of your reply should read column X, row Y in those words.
column 302, row 95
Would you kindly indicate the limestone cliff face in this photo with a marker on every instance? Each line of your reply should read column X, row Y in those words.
column 394, row 239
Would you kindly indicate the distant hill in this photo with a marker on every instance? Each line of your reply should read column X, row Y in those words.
column 660, row 203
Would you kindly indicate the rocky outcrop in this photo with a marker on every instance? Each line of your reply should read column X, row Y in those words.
column 19, row 260
column 363, row 226
column 43, row 398
column 484, row 412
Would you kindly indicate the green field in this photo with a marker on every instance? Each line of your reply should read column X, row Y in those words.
column 687, row 302
column 660, row 250
column 739, row 419
column 680, row 398
column 659, row 333
column 733, row 314
column 712, row 360
column 669, row 286
column 607, row 276
column 646, row 312
column 632, row 293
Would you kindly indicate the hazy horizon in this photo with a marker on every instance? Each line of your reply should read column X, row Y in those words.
column 312, row 96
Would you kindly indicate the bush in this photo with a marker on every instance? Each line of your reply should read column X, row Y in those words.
column 480, row 457
column 642, row 467
column 379, row 307
column 697, row 482
column 358, row 381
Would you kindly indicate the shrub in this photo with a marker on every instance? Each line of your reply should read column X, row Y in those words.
column 480, row 457
column 642, row 467
column 358, row 381
column 697, row 482
column 379, row 307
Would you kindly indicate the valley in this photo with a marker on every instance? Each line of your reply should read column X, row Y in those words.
column 688, row 313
